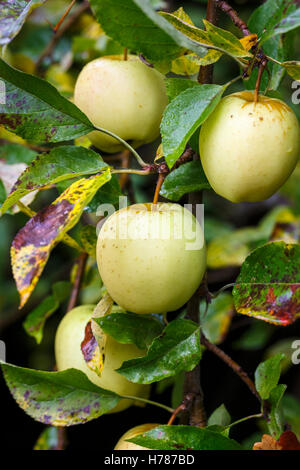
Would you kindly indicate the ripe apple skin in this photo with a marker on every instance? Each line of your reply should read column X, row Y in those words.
column 147, row 270
column 70, row 334
column 123, row 96
column 123, row 445
column 248, row 150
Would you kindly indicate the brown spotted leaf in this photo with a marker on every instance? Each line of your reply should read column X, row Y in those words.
column 58, row 398
column 13, row 14
column 268, row 287
column 33, row 243
column 93, row 345
column 34, row 109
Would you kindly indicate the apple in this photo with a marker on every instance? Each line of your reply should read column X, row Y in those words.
column 70, row 334
column 151, row 258
column 248, row 150
column 122, row 444
column 125, row 97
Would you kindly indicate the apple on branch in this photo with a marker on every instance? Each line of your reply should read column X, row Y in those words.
column 125, row 97
column 68, row 354
column 248, row 150
column 151, row 257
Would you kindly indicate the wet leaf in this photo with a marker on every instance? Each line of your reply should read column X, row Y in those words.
column 36, row 111
column 177, row 348
column 13, row 14
column 130, row 328
column 175, row 86
column 184, row 115
column 267, row 375
column 33, row 243
column 126, row 21
column 35, row 321
column 268, row 287
column 185, row 179
column 184, row 438
column 58, row 398
column 60, row 164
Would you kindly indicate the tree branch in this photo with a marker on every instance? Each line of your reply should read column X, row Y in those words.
column 232, row 364
column 80, row 262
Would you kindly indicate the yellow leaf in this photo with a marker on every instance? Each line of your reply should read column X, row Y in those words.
column 249, row 41
column 32, row 245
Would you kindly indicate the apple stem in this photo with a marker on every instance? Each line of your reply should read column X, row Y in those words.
column 150, row 402
column 159, row 184
column 258, row 82
column 125, row 54
column 126, row 144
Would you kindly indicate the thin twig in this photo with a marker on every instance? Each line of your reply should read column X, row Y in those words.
column 80, row 265
column 50, row 47
column 231, row 363
column 57, row 26
column 159, row 184
column 237, row 21
column 206, row 71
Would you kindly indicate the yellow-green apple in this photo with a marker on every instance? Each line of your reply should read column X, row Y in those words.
column 123, row 96
column 69, row 336
column 151, row 258
column 248, row 150
column 122, row 444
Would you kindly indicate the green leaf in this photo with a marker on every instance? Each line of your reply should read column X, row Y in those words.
column 15, row 153
column 13, row 15
column 136, row 25
column 255, row 337
column 177, row 348
column 219, row 417
column 48, row 439
column 290, row 21
column 185, row 179
column 175, row 86
column 216, row 322
column 60, row 164
column 184, row 115
column 267, row 375
column 130, row 328
column 276, row 417
column 293, row 69
column 36, row 111
column 291, row 411
column 35, row 321
column 58, row 398
column 268, row 287
column 225, row 40
column 277, row 47
column 184, row 438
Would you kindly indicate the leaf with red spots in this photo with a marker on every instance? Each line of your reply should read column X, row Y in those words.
column 13, row 14
column 61, row 163
column 33, row 243
column 34, row 109
column 58, row 398
column 268, row 287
